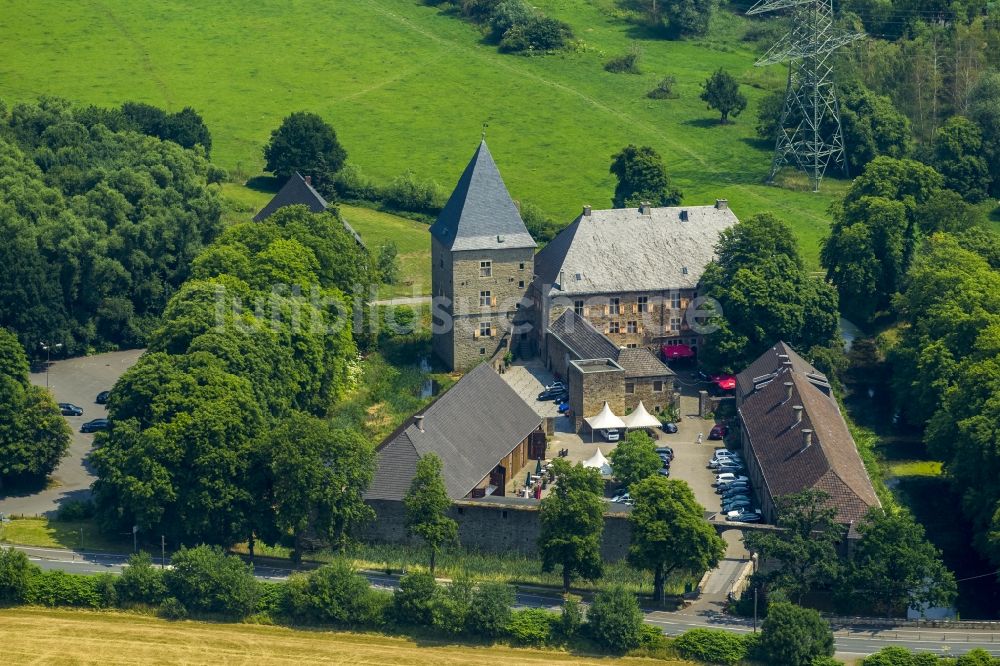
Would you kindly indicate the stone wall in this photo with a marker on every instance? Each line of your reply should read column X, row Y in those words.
column 494, row 526
column 643, row 390
column 591, row 385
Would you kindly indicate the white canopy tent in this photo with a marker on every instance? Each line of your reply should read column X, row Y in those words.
column 604, row 419
column 598, row 461
column 640, row 418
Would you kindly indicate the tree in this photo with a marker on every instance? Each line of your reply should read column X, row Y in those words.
column 205, row 579
column 958, row 150
column 387, row 262
column 413, row 600
column 489, row 612
column 895, row 567
column 669, row 532
column 427, row 505
column 33, row 434
column 306, row 144
column 615, row 620
column 320, row 473
column 635, row 459
column 765, row 294
column 15, row 575
column 984, row 109
column 572, row 521
column 141, row 581
column 722, row 93
column 642, row 177
column 806, row 547
column 795, row 636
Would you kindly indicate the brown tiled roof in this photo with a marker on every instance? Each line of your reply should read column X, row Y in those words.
column 470, row 427
column 771, row 363
column 830, row 463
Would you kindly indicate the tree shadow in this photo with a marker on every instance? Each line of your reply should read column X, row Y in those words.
column 268, row 184
column 705, row 123
column 758, row 143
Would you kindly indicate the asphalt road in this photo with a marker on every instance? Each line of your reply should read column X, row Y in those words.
column 75, row 380
column 850, row 641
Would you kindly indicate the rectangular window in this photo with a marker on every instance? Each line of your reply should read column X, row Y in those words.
column 614, row 306
column 520, row 284
column 482, row 351
column 643, row 304
column 520, row 266
column 485, row 329
column 632, row 345
column 675, row 324
column 484, row 299
column 578, row 308
column 632, row 327
column 657, row 386
column 675, row 301
column 485, row 269
column 614, row 327
column 629, row 387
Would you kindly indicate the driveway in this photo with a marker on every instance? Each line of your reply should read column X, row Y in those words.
column 76, row 380
column 528, row 379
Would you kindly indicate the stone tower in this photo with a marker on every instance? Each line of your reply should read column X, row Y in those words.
column 482, row 263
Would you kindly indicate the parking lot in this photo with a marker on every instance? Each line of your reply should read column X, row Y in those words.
column 75, row 380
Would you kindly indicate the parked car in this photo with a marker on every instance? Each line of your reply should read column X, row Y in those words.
column 725, row 460
column 621, row 498
column 718, row 431
column 733, row 492
column 665, row 464
column 736, row 499
column 734, row 469
column 563, row 407
column 742, row 485
column 551, row 394
column 102, row 397
column 664, row 471
column 665, row 457
column 95, row 425
column 744, row 516
column 737, row 505
column 69, row 409
column 612, row 435
column 726, row 452
column 556, row 385
column 728, row 477
column 665, row 450
column 670, row 428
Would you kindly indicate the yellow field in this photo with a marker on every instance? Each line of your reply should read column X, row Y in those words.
column 44, row 636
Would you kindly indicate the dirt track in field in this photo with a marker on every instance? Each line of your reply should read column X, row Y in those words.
column 43, row 636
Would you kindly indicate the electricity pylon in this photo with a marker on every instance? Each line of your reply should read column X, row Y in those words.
column 809, row 130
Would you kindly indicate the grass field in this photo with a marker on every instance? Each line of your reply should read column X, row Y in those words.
column 409, row 87
column 59, row 534
column 42, row 636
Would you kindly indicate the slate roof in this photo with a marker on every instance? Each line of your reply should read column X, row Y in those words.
column 297, row 192
column 470, row 427
column 579, row 335
column 771, row 363
column 830, row 463
column 480, row 214
column 622, row 250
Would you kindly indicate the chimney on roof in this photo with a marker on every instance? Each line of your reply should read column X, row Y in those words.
column 787, row 364
column 309, row 180
column 419, row 420
column 783, row 357
column 807, row 438
column 645, row 208
column 586, row 210
column 798, row 413
column 684, row 215
column 788, row 390
column 722, row 204
column 562, row 279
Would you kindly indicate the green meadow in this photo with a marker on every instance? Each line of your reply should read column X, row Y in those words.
column 408, row 86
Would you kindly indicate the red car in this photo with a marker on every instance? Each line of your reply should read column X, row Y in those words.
column 719, row 431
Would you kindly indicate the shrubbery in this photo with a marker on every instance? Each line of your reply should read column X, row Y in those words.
column 615, row 620
column 15, row 575
column 490, row 612
column 205, row 579
column 405, row 193
column 334, row 594
column 794, row 635
column 532, row 626
column 141, row 581
column 515, row 25
column 58, row 588
column 715, row 646
column 627, row 63
column 413, row 600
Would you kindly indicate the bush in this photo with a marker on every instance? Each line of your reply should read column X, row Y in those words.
column 627, row 63
column 614, row 619
column 407, row 192
column 206, row 579
column 664, row 89
column 141, row 581
column 16, row 573
column 351, row 184
column 105, row 589
column 413, row 600
column 334, row 593
column 172, row 609
column 489, row 612
column 450, row 606
column 571, row 618
column 58, row 588
column 793, row 635
column 652, row 639
column 75, row 510
column 714, row 646
column 897, row 656
column 532, row 626
column 537, row 35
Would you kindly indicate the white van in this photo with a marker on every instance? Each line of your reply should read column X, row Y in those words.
column 612, row 434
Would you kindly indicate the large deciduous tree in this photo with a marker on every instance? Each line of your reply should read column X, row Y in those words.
column 958, row 157
column 635, row 459
column 572, row 522
column 721, row 92
column 669, row 532
column 806, row 547
column 320, row 473
column 427, row 505
column 765, row 295
column 306, row 144
column 642, row 177
column 984, row 109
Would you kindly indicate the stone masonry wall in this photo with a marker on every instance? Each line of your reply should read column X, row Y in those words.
column 593, row 389
column 650, row 398
column 496, row 528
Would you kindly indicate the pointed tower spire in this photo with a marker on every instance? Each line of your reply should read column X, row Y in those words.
column 480, row 213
